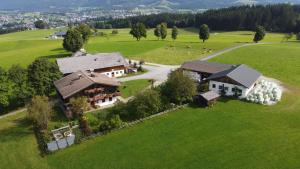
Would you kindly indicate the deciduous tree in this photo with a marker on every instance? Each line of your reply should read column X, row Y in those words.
column 157, row 31
column 163, row 30
column 21, row 89
column 298, row 36
column 85, row 31
column 204, row 32
column 179, row 88
column 259, row 34
column 174, row 33
column 73, row 41
column 5, row 89
column 41, row 75
column 138, row 31
column 40, row 24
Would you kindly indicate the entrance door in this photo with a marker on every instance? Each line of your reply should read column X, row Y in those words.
column 113, row 74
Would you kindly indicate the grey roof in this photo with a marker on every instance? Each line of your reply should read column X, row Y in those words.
column 89, row 61
column 242, row 74
column 210, row 95
column 78, row 81
column 205, row 67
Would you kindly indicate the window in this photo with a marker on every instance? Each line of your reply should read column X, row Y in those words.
column 103, row 100
column 107, row 74
column 233, row 89
column 214, row 86
column 117, row 72
column 220, row 87
column 110, row 99
column 226, row 88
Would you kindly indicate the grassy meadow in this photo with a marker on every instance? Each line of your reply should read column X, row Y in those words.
column 23, row 47
column 233, row 134
column 133, row 87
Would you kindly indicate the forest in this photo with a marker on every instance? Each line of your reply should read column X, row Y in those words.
column 276, row 18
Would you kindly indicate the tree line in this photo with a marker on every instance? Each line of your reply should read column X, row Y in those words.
column 277, row 18
column 18, row 85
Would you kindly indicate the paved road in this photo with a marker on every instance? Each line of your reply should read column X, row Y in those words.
column 157, row 72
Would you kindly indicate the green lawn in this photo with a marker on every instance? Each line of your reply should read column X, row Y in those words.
column 23, row 47
column 131, row 88
column 233, row 134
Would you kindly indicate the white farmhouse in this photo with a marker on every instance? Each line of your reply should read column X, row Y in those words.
column 224, row 79
column 237, row 81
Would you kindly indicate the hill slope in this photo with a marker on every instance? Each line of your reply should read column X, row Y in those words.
column 191, row 4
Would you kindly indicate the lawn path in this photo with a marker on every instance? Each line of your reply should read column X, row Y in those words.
column 231, row 49
column 13, row 113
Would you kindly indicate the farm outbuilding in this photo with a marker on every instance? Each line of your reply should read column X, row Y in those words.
column 207, row 99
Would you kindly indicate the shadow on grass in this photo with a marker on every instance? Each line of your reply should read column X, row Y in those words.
column 56, row 56
column 21, row 129
column 58, row 49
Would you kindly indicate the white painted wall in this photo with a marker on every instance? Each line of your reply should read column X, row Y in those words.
column 107, row 102
column 118, row 73
column 229, row 92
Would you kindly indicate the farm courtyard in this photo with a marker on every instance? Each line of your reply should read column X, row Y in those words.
column 233, row 134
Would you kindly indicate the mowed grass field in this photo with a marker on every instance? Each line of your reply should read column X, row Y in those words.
column 133, row 87
column 23, row 47
column 233, row 134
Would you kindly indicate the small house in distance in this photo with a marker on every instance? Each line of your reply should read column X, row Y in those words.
column 57, row 35
column 98, row 88
column 109, row 64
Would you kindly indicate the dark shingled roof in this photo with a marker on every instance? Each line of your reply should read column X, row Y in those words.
column 210, row 95
column 89, row 61
column 242, row 74
column 78, row 81
column 205, row 67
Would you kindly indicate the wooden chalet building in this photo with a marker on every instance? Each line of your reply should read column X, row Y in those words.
column 109, row 64
column 98, row 88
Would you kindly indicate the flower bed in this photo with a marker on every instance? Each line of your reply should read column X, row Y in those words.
column 266, row 93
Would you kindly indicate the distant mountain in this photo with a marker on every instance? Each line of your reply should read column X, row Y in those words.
column 125, row 4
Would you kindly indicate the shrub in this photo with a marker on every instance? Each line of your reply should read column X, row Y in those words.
column 78, row 105
column 84, row 126
column 39, row 111
column 104, row 126
column 113, row 123
column 144, row 104
column 93, row 122
column 115, row 32
column 41, row 140
column 78, row 136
